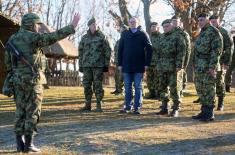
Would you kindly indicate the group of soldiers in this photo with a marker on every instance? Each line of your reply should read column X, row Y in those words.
column 211, row 57
column 165, row 76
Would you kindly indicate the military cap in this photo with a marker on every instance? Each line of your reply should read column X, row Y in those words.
column 205, row 15
column 153, row 23
column 30, row 18
column 166, row 21
column 214, row 17
column 91, row 21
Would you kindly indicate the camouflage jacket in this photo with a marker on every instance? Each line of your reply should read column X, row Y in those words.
column 171, row 52
column 116, row 52
column 155, row 39
column 187, row 38
column 94, row 50
column 207, row 49
column 228, row 47
column 29, row 44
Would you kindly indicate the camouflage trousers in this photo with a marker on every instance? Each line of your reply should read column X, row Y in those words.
column 28, row 99
column 220, row 84
column 170, row 84
column 118, row 80
column 206, row 87
column 228, row 76
column 152, row 79
column 184, row 80
column 93, row 76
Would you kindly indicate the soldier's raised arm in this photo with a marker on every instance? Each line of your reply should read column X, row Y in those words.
column 41, row 40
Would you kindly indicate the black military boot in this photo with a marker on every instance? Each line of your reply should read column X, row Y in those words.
column 220, row 103
column 197, row 100
column 227, row 88
column 29, row 146
column 164, row 109
column 98, row 107
column 209, row 114
column 19, row 143
column 175, row 111
column 87, row 107
column 201, row 114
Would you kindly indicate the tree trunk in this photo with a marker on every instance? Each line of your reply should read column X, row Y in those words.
column 147, row 17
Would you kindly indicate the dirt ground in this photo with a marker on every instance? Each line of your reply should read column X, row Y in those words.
column 63, row 129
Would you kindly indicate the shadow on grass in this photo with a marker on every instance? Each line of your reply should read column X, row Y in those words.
column 69, row 100
column 188, row 146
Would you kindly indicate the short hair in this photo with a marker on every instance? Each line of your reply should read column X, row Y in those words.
column 153, row 23
column 205, row 15
column 214, row 17
column 134, row 17
column 166, row 21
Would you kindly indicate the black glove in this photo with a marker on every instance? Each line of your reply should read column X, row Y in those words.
column 105, row 69
column 81, row 69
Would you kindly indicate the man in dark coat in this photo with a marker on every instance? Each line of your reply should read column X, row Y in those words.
column 134, row 57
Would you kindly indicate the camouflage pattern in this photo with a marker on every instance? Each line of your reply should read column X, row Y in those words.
column 207, row 51
column 226, row 56
column 94, row 50
column 94, row 55
column 186, row 36
column 93, row 75
column 220, row 83
column 170, row 56
column 224, row 59
column 228, row 75
column 152, row 76
column 27, row 86
column 30, row 19
column 119, row 83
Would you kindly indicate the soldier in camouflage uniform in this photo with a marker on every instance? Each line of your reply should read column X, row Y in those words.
column 170, row 61
column 228, row 75
column 176, row 24
column 152, row 76
column 94, row 57
column 207, row 51
column 27, row 84
column 225, row 61
column 118, row 75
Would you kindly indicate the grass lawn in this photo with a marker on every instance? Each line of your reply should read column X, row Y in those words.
column 63, row 129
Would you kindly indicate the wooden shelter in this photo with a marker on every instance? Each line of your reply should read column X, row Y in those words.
column 7, row 28
column 57, row 51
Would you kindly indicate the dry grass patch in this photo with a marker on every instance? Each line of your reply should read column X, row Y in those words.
column 65, row 130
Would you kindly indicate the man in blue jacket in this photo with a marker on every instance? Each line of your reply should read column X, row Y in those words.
column 134, row 57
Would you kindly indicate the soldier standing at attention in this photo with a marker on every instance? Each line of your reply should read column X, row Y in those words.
column 94, row 57
column 176, row 24
column 29, row 78
column 118, row 74
column 207, row 51
column 152, row 76
column 170, row 62
column 225, row 61
column 228, row 75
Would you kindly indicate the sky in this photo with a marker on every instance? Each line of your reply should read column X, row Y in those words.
column 158, row 11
